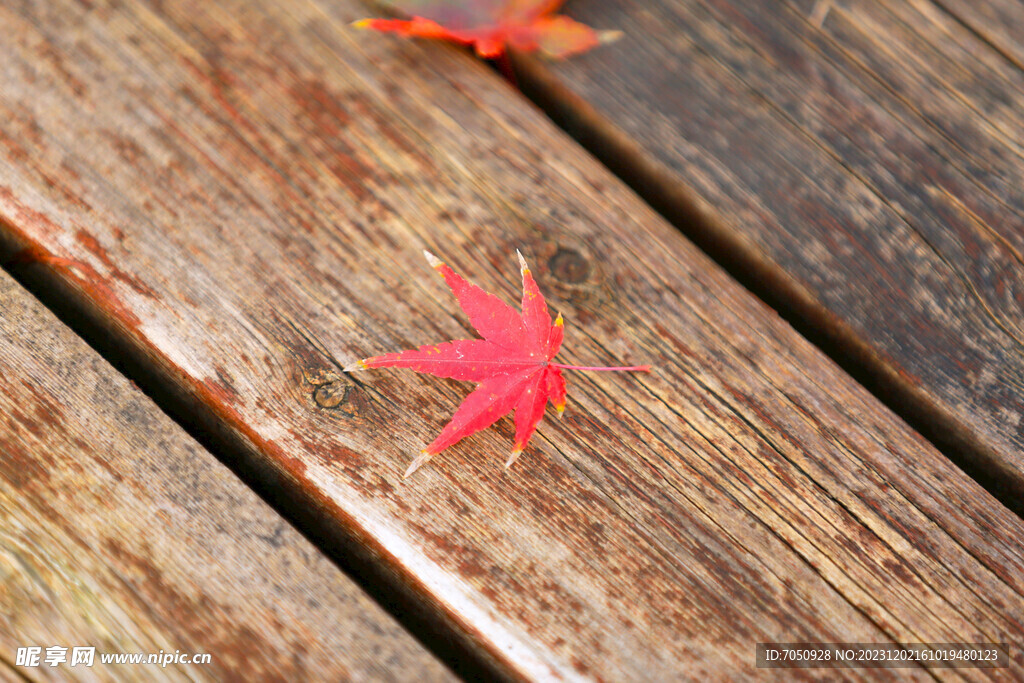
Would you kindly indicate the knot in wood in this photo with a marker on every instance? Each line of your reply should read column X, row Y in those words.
column 569, row 266
column 331, row 395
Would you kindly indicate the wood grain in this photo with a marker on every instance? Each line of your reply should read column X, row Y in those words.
column 1000, row 23
column 860, row 162
column 241, row 192
column 121, row 533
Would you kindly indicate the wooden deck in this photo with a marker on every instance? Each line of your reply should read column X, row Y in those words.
column 859, row 163
column 121, row 532
column 229, row 201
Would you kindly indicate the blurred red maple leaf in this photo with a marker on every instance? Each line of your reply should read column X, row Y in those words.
column 511, row 364
column 492, row 26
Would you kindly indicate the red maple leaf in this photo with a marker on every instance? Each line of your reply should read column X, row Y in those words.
column 511, row 364
column 492, row 26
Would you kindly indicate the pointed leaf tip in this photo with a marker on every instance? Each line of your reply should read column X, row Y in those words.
column 422, row 458
column 522, row 261
column 358, row 365
column 513, row 457
column 362, row 23
column 432, row 260
column 605, row 37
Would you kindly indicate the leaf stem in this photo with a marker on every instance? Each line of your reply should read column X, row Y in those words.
column 631, row 368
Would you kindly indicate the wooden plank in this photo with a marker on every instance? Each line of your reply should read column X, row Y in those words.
column 121, row 533
column 866, row 175
column 245, row 189
column 1000, row 23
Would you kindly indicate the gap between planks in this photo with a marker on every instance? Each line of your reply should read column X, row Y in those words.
column 353, row 556
column 981, row 32
column 681, row 207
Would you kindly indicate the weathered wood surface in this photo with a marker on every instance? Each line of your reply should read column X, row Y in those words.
column 867, row 174
column 1000, row 23
column 121, row 533
column 245, row 189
